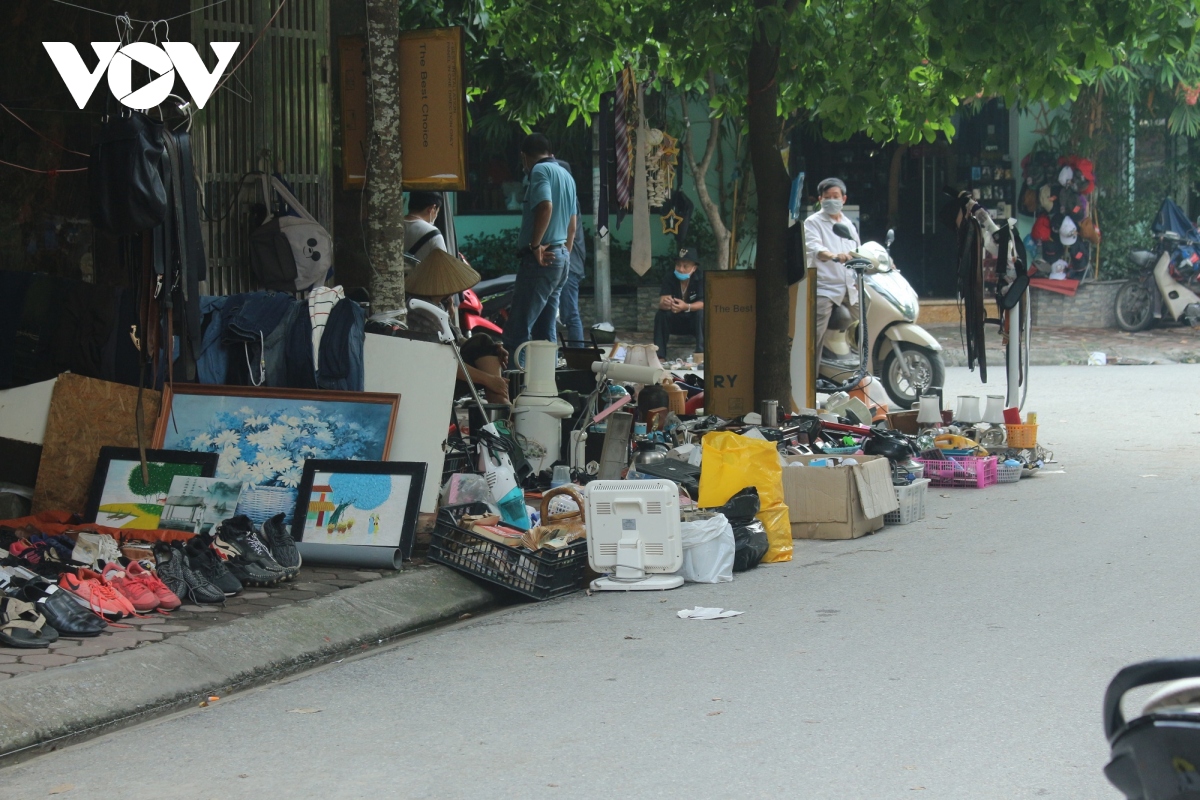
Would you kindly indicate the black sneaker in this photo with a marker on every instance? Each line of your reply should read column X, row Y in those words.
column 283, row 546
column 173, row 569
column 210, row 565
column 252, row 565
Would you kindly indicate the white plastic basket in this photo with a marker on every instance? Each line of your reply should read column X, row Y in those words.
column 1009, row 474
column 912, row 503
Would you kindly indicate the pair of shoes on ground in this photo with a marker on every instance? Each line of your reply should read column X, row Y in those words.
column 209, row 568
column 258, row 557
column 120, row 590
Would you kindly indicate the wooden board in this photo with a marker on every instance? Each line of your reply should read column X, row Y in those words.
column 85, row 415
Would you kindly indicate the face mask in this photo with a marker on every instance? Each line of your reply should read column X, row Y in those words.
column 831, row 206
column 683, row 276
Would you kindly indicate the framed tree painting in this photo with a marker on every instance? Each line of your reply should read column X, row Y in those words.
column 359, row 504
column 263, row 436
column 120, row 497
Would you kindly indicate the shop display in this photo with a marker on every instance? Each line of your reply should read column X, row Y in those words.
column 1058, row 192
column 358, row 504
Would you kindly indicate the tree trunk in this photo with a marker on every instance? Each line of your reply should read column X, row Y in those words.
column 385, row 193
column 772, row 348
column 699, row 173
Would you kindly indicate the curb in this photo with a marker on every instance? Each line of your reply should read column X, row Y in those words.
column 46, row 709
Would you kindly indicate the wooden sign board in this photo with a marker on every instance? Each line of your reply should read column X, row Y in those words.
column 433, row 110
column 729, row 321
column 352, row 65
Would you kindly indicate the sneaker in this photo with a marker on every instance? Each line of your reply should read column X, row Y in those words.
column 283, row 546
column 211, row 566
column 167, row 600
column 175, row 571
column 91, row 591
column 247, row 557
column 135, row 590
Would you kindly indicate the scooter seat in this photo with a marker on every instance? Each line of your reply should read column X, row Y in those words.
column 840, row 319
column 1142, row 258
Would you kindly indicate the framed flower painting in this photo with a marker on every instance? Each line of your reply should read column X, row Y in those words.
column 263, row 436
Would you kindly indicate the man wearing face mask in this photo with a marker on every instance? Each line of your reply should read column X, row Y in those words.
column 681, row 303
column 548, row 221
column 828, row 252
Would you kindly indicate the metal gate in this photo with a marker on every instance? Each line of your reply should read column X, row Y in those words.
column 273, row 113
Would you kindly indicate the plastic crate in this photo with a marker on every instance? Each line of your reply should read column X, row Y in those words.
column 1021, row 437
column 538, row 575
column 912, row 503
column 1008, row 474
column 966, row 471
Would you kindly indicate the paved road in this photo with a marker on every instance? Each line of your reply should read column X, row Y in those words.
column 961, row 657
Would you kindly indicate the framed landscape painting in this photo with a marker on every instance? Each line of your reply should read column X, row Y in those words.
column 263, row 436
column 120, row 498
column 359, row 503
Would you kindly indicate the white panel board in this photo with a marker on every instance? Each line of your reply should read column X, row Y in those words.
column 24, row 411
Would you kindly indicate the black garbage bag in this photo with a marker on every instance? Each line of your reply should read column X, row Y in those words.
column 749, row 545
column 749, row 536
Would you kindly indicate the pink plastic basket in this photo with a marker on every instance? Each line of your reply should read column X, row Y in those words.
column 968, row 471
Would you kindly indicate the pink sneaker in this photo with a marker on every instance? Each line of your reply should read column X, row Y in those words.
column 167, row 600
column 91, row 591
column 135, row 590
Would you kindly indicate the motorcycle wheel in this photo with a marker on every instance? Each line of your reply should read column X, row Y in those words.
column 927, row 368
column 1134, row 308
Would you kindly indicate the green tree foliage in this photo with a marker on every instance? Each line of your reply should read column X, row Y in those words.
column 895, row 69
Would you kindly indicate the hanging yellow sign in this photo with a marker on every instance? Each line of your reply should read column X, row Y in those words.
column 433, row 112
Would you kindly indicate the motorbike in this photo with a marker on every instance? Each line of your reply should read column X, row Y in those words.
column 485, row 307
column 1156, row 755
column 1167, row 285
column 902, row 355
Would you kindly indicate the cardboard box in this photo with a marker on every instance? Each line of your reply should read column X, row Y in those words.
column 838, row 502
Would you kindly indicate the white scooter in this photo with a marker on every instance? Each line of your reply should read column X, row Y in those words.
column 905, row 358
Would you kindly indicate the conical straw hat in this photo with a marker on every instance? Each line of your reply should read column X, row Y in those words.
column 441, row 274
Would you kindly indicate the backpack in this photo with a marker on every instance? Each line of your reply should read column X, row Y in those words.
column 290, row 254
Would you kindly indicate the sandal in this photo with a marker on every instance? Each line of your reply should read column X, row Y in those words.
column 22, row 626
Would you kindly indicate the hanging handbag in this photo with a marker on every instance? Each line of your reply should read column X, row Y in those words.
column 124, row 183
column 289, row 254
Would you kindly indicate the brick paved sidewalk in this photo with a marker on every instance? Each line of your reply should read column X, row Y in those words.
column 311, row 582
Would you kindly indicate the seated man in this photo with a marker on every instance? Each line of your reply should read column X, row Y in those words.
column 436, row 280
column 681, row 303
column 827, row 254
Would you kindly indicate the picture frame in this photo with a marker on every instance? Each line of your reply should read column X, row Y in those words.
column 114, row 487
column 263, row 436
column 334, row 494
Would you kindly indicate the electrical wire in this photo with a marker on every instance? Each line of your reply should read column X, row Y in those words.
column 126, row 16
column 42, row 135
column 50, row 172
column 253, row 45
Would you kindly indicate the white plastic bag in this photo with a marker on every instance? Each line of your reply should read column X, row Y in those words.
column 708, row 550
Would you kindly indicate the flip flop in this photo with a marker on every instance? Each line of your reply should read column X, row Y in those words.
column 22, row 626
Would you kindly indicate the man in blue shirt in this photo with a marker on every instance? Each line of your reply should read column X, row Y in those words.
column 548, row 223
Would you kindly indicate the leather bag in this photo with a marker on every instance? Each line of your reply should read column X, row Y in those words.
column 124, row 181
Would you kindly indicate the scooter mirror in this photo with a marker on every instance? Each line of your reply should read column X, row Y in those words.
column 891, row 237
column 841, row 230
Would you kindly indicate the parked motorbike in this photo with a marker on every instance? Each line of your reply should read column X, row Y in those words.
column 1167, row 285
column 485, row 307
column 904, row 357
column 1156, row 755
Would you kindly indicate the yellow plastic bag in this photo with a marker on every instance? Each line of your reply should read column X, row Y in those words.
column 733, row 462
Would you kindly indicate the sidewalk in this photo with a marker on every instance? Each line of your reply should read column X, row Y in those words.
column 1071, row 346
column 1047, row 346
column 81, row 688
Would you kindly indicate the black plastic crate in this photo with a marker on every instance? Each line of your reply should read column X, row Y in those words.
column 538, row 575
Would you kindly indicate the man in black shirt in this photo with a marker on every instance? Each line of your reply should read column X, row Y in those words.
column 681, row 303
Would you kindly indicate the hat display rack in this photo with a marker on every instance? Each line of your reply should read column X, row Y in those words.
column 1059, row 192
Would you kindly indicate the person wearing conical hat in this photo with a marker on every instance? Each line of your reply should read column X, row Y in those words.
column 436, row 280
